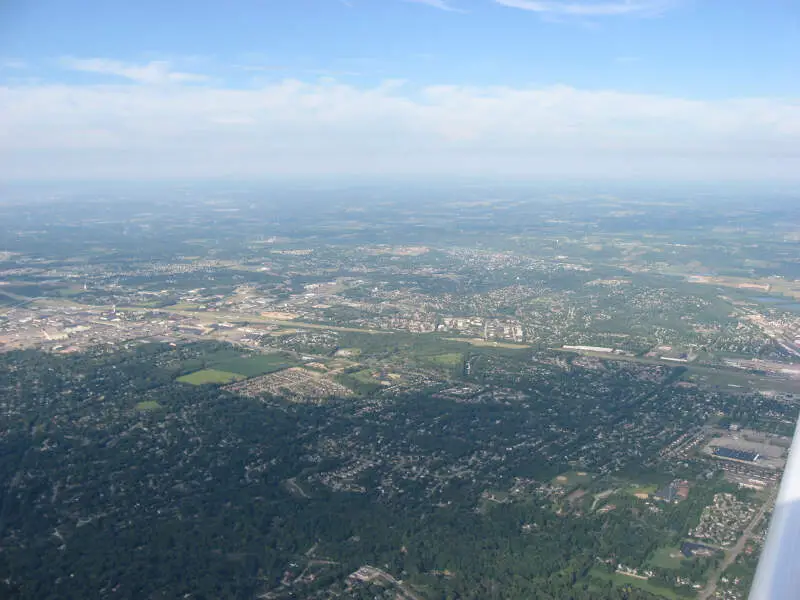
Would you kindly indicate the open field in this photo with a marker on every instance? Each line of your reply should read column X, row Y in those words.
column 451, row 359
column 641, row 584
column 148, row 406
column 667, row 558
column 771, row 285
column 729, row 378
column 72, row 290
column 279, row 316
column 186, row 306
column 281, row 332
column 707, row 375
column 641, row 488
column 259, row 364
column 361, row 382
column 210, row 376
column 218, row 316
column 620, row 357
column 210, row 317
column 489, row 343
column 572, row 479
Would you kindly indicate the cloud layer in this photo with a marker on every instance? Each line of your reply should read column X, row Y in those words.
column 155, row 72
column 591, row 8
column 440, row 4
column 161, row 128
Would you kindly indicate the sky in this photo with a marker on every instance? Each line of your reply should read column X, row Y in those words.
column 624, row 89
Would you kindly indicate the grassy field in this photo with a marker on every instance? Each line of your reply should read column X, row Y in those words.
column 282, row 332
column 210, row 376
column 642, row 584
column 488, row 343
column 253, row 366
column 707, row 375
column 636, row 488
column 664, row 559
column 573, row 479
column 491, row 498
column 218, row 316
column 186, row 306
column 451, row 359
column 148, row 406
column 210, row 358
column 361, row 382
column 726, row 378
column 72, row 290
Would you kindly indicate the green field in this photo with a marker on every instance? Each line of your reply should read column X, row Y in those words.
column 451, row 359
column 663, row 558
column 636, row 488
column 253, row 366
column 489, row 343
column 572, row 479
column 642, row 584
column 725, row 378
column 210, row 376
column 210, row 358
column 233, row 362
column 73, row 290
column 186, row 306
column 148, row 406
column 361, row 382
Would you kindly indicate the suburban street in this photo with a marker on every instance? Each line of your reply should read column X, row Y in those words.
column 732, row 553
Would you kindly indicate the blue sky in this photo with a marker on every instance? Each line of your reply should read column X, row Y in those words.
column 635, row 88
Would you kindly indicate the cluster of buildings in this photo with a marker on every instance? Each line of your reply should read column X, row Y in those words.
column 297, row 384
column 674, row 492
column 723, row 521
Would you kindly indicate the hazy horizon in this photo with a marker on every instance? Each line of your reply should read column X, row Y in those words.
column 504, row 88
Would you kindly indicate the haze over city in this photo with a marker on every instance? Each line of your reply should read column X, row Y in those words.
column 669, row 89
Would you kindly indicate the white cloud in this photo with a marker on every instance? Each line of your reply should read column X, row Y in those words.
column 12, row 63
column 155, row 72
column 55, row 131
column 591, row 8
column 440, row 4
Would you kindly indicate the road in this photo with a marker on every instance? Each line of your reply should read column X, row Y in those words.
column 733, row 553
column 296, row 489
